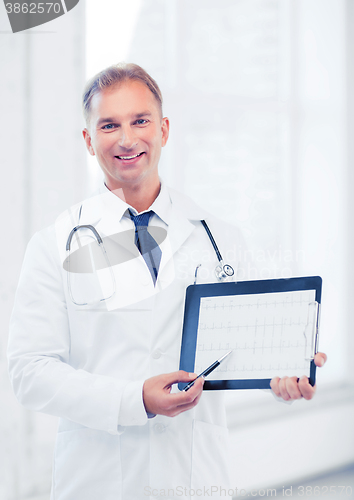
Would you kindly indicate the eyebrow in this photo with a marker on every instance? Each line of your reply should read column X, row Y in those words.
column 104, row 121
column 145, row 113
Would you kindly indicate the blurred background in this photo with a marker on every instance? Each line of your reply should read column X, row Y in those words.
column 260, row 96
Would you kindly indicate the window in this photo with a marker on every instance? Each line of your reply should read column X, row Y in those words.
column 255, row 91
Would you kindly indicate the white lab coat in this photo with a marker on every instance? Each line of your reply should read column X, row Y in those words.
column 88, row 365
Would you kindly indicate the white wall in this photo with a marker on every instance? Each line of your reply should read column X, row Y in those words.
column 256, row 92
column 43, row 171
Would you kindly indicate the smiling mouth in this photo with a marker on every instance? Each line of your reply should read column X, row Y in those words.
column 129, row 157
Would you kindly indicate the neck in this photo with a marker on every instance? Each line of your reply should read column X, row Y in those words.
column 138, row 197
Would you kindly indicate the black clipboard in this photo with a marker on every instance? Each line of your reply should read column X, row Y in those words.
column 254, row 292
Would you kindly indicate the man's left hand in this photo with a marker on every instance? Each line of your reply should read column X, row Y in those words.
column 289, row 388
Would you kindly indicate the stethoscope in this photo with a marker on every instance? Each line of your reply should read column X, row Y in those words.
column 105, row 256
column 222, row 270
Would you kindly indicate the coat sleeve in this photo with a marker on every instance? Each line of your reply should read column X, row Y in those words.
column 39, row 352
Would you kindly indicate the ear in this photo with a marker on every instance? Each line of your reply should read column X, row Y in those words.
column 165, row 128
column 87, row 139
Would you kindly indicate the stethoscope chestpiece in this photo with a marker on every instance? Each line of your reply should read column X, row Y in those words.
column 223, row 271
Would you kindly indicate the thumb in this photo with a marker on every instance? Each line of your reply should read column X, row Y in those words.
column 180, row 376
column 320, row 359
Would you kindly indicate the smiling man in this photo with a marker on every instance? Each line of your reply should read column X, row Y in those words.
column 108, row 367
column 126, row 131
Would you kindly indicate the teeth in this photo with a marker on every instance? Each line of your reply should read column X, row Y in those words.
column 128, row 157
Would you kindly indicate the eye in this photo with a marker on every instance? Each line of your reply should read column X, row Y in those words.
column 141, row 121
column 109, row 126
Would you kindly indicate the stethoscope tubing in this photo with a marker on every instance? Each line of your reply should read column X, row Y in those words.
column 84, row 226
column 213, row 242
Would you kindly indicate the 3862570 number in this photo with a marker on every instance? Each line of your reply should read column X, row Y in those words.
column 33, row 8
column 324, row 490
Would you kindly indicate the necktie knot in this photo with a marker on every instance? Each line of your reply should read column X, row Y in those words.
column 141, row 221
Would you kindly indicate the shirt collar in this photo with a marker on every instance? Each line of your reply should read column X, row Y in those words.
column 161, row 206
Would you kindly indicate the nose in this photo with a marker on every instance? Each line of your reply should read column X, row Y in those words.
column 127, row 138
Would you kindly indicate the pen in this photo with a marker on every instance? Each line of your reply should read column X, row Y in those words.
column 208, row 370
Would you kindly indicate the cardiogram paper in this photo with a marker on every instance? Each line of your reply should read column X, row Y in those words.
column 271, row 334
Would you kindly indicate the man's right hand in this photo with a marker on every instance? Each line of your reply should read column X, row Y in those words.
column 159, row 400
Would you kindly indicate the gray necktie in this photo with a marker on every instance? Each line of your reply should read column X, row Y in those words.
column 146, row 244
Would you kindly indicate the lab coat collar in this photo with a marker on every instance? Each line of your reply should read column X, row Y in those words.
column 186, row 207
column 105, row 202
column 104, row 210
column 185, row 214
column 162, row 205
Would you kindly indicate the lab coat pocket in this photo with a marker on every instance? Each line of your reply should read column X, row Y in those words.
column 210, row 459
column 86, row 465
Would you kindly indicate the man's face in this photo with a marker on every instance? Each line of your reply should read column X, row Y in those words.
column 126, row 133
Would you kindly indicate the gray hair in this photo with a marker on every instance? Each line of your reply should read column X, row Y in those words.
column 115, row 75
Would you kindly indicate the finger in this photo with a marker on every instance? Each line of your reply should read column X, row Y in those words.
column 174, row 410
column 306, row 389
column 196, row 401
column 185, row 397
column 180, row 376
column 274, row 385
column 182, row 409
column 188, row 406
column 283, row 390
column 320, row 359
column 191, row 403
column 196, row 389
column 293, row 388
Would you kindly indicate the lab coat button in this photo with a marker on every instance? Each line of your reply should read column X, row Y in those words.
column 157, row 354
column 159, row 428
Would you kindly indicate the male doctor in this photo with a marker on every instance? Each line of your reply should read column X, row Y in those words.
column 107, row 368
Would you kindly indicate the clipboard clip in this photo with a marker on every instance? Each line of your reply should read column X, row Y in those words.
column 312, row 347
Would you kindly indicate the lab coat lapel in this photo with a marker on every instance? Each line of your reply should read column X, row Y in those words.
column 185, row 215
column 99, row 211
column 183, row 219
column 179, row 229
column 130, row 272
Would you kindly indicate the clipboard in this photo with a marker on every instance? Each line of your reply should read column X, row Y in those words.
column 271, row 325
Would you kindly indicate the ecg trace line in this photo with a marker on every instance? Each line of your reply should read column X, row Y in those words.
column 243, row 368
column 293, row 303
column 203, row 326
column 268, row 334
